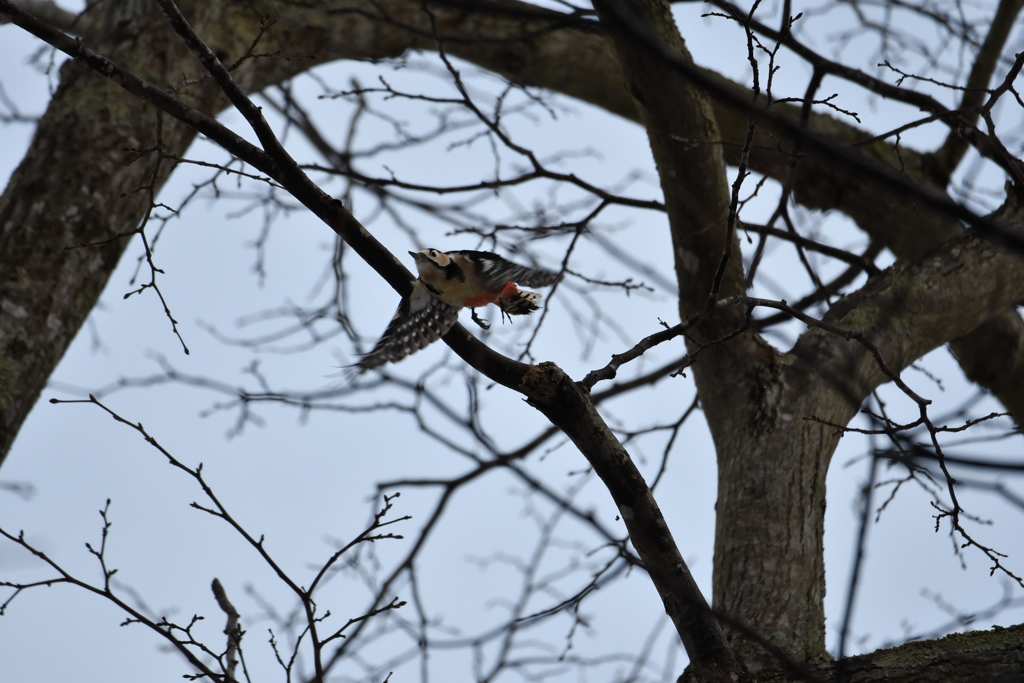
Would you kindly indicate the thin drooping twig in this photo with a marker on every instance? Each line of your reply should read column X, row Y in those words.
column 217, row 509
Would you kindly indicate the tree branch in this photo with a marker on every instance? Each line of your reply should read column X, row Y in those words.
column 913, row 308
column 569, row 407
column 978, row 657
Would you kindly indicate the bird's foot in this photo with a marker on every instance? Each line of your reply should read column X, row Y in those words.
column 480, row 322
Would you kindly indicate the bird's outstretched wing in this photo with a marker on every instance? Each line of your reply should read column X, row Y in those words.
column 497, row 272
column 421, row 319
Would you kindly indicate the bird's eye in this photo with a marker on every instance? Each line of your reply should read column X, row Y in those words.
column 433, row 252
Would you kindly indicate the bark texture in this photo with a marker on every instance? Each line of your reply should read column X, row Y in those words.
column 995, row 656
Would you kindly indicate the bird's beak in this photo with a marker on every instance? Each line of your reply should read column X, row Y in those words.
column 413, row 253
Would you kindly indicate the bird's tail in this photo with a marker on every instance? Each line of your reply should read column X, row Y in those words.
column 515, row 301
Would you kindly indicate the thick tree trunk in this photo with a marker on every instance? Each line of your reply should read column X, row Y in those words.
column 765, row 412
column 773, row 458
column 769, row 567
column 75, row 187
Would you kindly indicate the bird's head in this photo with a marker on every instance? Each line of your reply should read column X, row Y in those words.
column 430, row 259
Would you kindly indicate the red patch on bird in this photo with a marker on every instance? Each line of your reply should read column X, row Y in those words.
column 482, row 300
column 509, row 291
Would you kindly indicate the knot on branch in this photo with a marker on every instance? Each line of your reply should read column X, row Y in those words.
column 541, row 383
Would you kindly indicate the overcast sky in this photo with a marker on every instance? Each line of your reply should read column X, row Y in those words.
column 305, row 480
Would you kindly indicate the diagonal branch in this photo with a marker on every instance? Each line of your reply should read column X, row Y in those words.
column 699, row 630
column 913, row 308
column 953, row 149
column 568, row 405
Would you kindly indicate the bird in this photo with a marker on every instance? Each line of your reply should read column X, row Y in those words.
column 447, row 283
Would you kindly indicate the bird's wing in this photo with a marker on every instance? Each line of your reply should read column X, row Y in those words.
column 420, row 320
column 497, row 272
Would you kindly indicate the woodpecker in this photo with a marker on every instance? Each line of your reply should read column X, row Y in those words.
column 447, row 283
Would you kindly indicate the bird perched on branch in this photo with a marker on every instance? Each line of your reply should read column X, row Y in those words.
column 448, row 282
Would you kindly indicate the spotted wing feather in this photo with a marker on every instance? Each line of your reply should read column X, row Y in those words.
column 421, row 320
column 497, row 272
